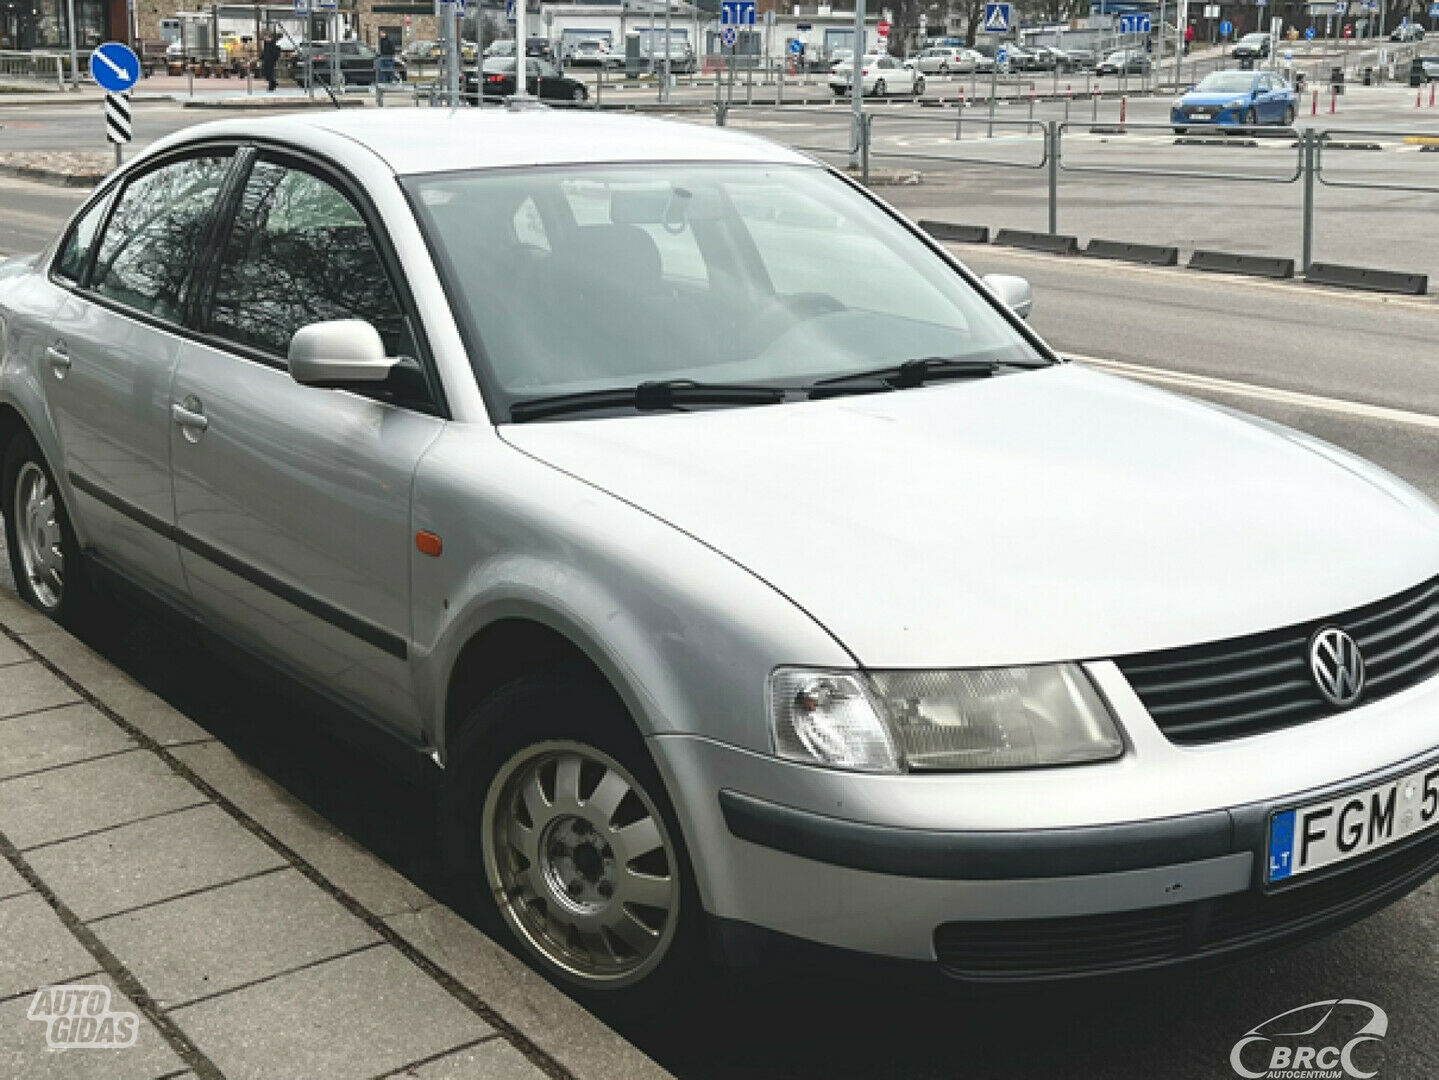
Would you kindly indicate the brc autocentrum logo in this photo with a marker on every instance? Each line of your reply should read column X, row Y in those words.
column 1324, row 1040
column 79, row 1017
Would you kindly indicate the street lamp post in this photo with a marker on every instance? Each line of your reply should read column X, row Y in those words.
column 856, row 85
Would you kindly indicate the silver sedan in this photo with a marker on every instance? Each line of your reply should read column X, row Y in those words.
column 742, row 568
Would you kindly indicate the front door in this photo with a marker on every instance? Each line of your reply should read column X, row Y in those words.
column 293, row 502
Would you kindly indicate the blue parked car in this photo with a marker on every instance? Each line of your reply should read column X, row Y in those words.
column 1237, row 99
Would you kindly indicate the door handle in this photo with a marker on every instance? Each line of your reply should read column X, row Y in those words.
column 59, row 359
column 189, row 418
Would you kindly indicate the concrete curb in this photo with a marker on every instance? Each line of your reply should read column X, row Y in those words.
column 1360, row 277
column 959, row 234
column 1149, row 254
column 1059, row 244
column 417, row 945
column 1225, row 262
column 58, row 177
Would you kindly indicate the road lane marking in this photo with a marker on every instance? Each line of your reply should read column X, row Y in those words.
column 1273, row 394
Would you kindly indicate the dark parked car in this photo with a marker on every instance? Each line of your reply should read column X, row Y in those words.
column 544, row 81
column 1130, row 61
column 358, row 63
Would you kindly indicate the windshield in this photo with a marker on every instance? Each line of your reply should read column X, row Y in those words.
column 1255, row 38
column 1226, row 82
column 577, row 278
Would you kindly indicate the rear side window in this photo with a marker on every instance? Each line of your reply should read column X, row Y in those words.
column 300, row 253
column 150, row 243
column 78, row 245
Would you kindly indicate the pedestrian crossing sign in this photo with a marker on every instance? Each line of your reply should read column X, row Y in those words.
column 998, row 18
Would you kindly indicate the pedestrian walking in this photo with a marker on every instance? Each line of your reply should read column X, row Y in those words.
column 387, row 57
column 1188, row 38
column 270, row 59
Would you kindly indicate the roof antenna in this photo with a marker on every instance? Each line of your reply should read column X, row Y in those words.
column 311, row 61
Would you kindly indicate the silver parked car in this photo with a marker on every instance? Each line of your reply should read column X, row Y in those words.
column 734, row 557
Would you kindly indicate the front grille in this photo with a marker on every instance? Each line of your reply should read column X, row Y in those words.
column 1261, row 682
column 1036, row 949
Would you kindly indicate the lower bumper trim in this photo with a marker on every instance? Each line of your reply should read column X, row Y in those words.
column 998, row 855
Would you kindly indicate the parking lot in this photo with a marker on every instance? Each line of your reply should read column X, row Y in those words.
column 1356, row 368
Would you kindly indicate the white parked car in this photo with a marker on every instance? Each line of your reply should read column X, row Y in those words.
column 881, row 73
column 945, row 60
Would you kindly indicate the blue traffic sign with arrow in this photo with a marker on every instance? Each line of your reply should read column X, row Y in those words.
column 115, row 67
column 1135, row 24
column 737, row 12
column 1226, row 28
column 1309, row 33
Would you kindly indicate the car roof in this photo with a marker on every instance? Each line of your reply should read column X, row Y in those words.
column 412, row 141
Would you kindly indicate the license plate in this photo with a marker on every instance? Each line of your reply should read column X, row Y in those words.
column 1201, row 113
column 1321, row 834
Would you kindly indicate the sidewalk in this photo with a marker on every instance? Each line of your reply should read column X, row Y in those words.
column 244, row 934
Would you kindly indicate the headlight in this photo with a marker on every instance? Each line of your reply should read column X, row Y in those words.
column 1178, row 103
column 1237, row 103
column 928, row 721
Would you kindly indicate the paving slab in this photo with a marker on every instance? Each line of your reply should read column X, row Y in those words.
column 59, row 736
column 29, row 686
column 537, row 1010
column 37, row 949
column 10, row 653
column 19, row 617
column 64, row 803
column 112, row 687
column 11, row 883
column 150, row 860
column 494, row 1059
column 223, row 938
column 23, row 1052
column 379, row 887
column 357, row 1017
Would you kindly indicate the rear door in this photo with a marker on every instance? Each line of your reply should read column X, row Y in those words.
column 293, row 503
column 116, row 341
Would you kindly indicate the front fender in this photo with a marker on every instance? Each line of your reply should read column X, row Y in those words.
column 686, row 636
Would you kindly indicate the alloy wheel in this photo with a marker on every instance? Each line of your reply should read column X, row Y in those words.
column 580, row 863
column 38, row 535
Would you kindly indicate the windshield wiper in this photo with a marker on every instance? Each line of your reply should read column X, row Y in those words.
column 904, row 376
column 647, row 397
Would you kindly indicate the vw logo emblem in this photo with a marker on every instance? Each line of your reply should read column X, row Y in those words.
column 1337, row 666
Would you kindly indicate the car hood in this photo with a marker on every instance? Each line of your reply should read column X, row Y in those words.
column 1047, row 515
column 1214, row 100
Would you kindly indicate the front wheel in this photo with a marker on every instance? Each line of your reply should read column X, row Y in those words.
column 44, row 554
column 564, row 840
column 918, row 87
column 1251, row 118
column 578, row 94
column 1289, row 114
column 879, row 88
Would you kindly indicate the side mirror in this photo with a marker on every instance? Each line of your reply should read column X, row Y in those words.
column 1014, row 291
column 338, row 353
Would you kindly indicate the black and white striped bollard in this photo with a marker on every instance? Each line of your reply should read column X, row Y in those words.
column 117, row 121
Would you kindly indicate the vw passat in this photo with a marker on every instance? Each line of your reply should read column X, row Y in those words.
column 747, row 571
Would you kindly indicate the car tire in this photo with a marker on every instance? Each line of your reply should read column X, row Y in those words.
column 1289, row 115
column 1251, row 118
column 918, row 87
column 44, row 553
column 879, row 88
column 553, row 764
column 579, row 95
column 944, row 69
column 1181, row 131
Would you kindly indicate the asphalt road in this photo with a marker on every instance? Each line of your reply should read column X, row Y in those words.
column 1328, row 362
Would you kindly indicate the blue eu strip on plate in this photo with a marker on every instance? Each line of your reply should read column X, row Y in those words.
column 1281, row 846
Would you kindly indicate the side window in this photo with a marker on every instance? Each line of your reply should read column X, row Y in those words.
column 72, row 260
column 147, row 248
column 300, row 253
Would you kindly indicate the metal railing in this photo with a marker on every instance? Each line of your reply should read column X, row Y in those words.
column 40, row 67
column 866, row 142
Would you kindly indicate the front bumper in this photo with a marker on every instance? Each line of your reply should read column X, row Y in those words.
column 1053, row 873
column 1183, row 117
